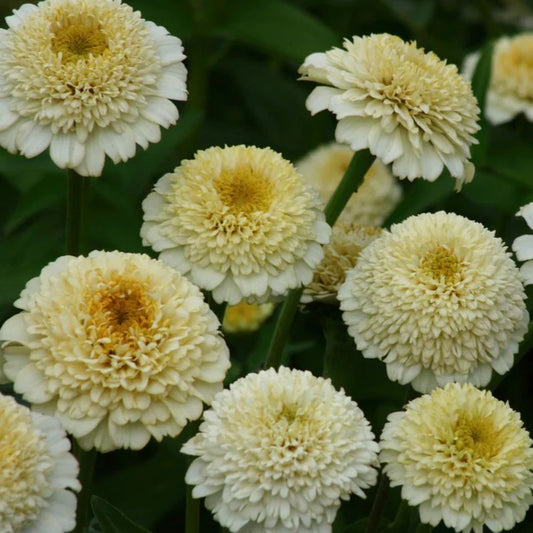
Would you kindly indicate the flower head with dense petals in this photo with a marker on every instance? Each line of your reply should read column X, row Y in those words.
column 510, row 90
column 86, row 78
column 244, row 317
column 406, row 106
column 438, row 299
column 375, row 198
column 36, row 472
column 340, row 255
column 278, row 451
column 118, row 346
column 463, row 457
column 523, row 245
column 239, row 221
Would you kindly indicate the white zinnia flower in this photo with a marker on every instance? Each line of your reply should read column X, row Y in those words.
column 438, row 299
column 340, row 255
column 118, row 346
column 510, row 89
column 375, row 198
column 406, row 106
column 239, row 221
column 87, row 78
column 36, row 472
column 463, row 457
column 278, row 451
column 523, row 245
column 244, row 317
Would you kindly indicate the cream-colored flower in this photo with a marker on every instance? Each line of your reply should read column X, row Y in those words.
column 239, row 221
column 340, row 255
column 278, row 451
column 510, row 90
column 406, row 106
column 36, row 472
column 523, row 245
column 244, row 317
column 438, row 299
column 373, row 201
column 118, row 346
column 463, row 457
column 86, row 78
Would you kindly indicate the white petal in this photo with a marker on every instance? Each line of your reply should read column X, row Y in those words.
column 161, row 111
column 7, row 117
column 33, row 139
column 66, row 151
column 523, row 247
column 526, row 211
column 319, row 99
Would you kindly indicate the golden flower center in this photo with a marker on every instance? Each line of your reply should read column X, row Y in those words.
column 243, row 191
column 77, row 41
column 513, row 68
column 476, row 437
column 440, row 263
column 121, row 312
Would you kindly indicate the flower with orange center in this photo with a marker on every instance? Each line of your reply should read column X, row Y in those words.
column 87, row 78
column 463, row 457
column 244, row 317
column 118, row 346
column 239, row 221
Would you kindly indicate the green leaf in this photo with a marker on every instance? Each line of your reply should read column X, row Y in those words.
column 413, row 13
column 513, row 161
column 277, row 27
column 111, row 520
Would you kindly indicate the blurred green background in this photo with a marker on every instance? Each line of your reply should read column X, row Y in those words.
column 242, row 58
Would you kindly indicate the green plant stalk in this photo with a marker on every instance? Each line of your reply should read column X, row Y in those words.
column 378, row 505
column 424, row 528
column 86, row 461
column 192, row 512
column 74, row 221
column 353, row 177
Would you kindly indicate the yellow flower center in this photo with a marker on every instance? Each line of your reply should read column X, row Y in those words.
column 243, row 191
column 77, row 41
column 440, row 263
column 475, row 437
column 513, row 67
column 121, row 313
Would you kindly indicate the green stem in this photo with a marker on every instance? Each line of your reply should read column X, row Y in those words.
column 192, row 512
column 353, row 177
column 378, row 506
column 402, row 519
column 86, row 461
column 74, row 221
column 424, row 528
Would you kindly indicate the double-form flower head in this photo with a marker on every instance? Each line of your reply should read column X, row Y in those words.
column 463, row 457
column 87, row 78
column 36, row 472
column 523, row 245
column 438, row 299
column 406, row 106
column 244, row 317
column 119, row 347
column 278, row 451
column 239, row 221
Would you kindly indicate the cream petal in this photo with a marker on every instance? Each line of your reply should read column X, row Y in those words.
column 523, row 247
column 526, row 212
column 7, row 117
column 32, row 384
column 319, row 99
column 160, row 111
column 94, row 159
column 66, row 151
column 171, row 84
column 15, row 329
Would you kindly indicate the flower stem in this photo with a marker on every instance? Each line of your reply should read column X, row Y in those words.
column 86, row 461
column 353, row 177
column 75, row 192
column 192, row 512
column 378, row 505
column 424, row 528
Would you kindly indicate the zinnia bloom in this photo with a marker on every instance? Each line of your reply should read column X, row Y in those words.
column 438, row 299
column 278, row 451
column 239, row 221
column 86, row 78
column 406, row 106
column 510, row 90
column 118, row 346
column 375, row 198
column 244, row 317
column 463, row 457
column 36, row 472
column 523, row 245
column 340, row 255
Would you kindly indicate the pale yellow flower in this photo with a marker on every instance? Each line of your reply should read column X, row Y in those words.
column 278, row 451
column 523, row 245
column 239, row 221
column 438, row 299
column 118, row 346
column 340, row 255
column 87, row 78
column 244, row 317
column 406, row 106
column 510, row 89
column 36, row 472
column 375, row 198
column 463, row 457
